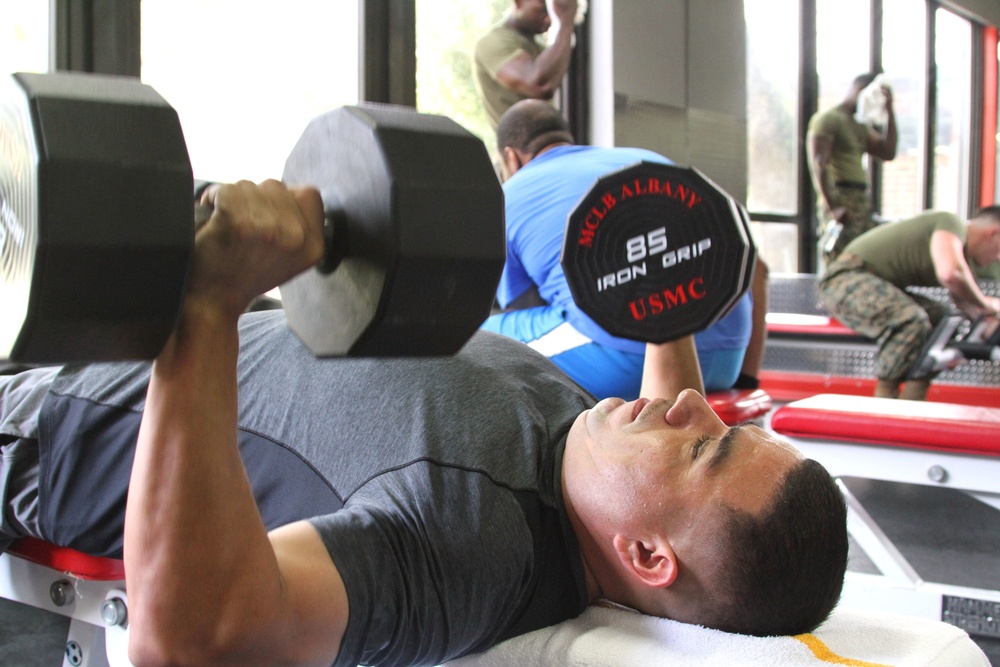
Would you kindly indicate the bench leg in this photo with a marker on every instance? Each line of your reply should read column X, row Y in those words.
column 85, row 645
column 876, row 545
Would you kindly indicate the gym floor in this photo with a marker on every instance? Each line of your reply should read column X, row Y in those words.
column 930, row 526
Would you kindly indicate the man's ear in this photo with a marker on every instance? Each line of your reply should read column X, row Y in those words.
column 511, row 161
column 653, row 562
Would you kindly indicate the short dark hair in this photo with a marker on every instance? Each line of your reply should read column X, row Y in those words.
column 531, row 125
column 992, row 211
column 784, row 571
column 862, row 81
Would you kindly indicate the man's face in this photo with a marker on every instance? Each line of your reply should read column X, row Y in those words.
column 533, row 15
column 987, row 250
column 670, row 464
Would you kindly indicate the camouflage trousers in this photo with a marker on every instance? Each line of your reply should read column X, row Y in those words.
column 899, row 322
column 859, row 208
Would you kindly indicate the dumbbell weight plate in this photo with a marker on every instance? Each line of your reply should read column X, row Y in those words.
column 654, row 252
column 97, row 235
column 422, row 212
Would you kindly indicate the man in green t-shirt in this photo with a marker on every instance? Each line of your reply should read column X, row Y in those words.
column 865, row 286
column 987, row 272
column 510, row 62
column 836, row 143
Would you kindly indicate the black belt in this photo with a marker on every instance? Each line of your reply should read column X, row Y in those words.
column 851, row 185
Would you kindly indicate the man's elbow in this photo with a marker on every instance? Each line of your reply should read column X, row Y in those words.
column 538, row 90
column 154, row 645
column 531, row 86
column 952, row 281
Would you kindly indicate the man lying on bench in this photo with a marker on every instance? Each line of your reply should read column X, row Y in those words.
column 284, row 509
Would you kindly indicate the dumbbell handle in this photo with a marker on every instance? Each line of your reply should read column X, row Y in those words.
column 334, row 235
column 982, row 351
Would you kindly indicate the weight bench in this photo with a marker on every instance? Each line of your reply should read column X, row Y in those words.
column 930, row 444
column 85, row 588
column 90, row 591
column 808, row 352
column 735, row 406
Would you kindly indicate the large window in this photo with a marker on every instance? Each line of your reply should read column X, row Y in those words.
column 772, row 105
column 246, row 77
column 446, row 37
column 953, row 56
column 24, row 37
column 773, row 126
column 904, row 58
column 843, row 51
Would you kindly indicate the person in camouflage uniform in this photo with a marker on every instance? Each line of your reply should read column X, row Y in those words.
column 836, row 143
column 865, row 286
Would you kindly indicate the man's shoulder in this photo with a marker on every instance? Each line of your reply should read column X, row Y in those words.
column 611, row 157
column 501, row 38
column 937, row 219
column 948, row 222
column 831, row 121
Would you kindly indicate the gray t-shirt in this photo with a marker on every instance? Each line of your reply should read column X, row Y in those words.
column 435, row 483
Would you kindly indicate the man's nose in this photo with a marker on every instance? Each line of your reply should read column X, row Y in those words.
column 690, row 407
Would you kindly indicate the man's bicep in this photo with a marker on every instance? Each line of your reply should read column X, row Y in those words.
column 948, row 257
column 820, row 149
column 517, row 72
column 315, row 605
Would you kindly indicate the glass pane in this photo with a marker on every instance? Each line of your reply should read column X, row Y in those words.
column 953, row 54
column 246, row 77
column 996, row 186
column 24, row 37
column 772, row 105
column 446, row 39
column 843, row 47
column 778, row 244
column 904, row 56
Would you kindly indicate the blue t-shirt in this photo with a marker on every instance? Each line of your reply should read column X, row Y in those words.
column 539, row 199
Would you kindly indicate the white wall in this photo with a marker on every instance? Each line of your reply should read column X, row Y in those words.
column 677, row 82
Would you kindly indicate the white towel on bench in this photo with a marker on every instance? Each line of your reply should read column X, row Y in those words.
column 606, row 637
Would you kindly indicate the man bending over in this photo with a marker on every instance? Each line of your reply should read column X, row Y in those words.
column 547, row 175
column 865, row 287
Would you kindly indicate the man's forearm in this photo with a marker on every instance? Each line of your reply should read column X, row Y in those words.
column 204, row 583
column 670, row 368
column 552, row 63
column 197, row 555
column 965, row 292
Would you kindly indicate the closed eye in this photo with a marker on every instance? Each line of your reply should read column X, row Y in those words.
column 699, row 443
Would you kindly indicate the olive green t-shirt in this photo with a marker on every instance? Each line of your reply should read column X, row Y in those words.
column 900, row 252
column 988, row 272
column 493, row 51
column 850, row 141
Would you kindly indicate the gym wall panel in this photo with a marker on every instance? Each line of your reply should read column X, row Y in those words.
column 982, row 11
column 715, row 139
column 650, row 46
column 679, row 79
column 657, row 127
column 716, row 56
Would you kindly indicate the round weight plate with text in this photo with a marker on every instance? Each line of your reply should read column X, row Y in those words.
column 654, row 252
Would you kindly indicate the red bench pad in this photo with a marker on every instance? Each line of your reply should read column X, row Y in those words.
column 951, row 427
column 807, row 325
column 735, row 406
column 70, row 561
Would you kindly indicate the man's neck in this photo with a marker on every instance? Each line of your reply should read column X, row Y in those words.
column 514, row 24
column 551, row 146
column 849, row 106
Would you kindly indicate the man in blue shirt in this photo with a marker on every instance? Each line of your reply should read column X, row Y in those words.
column 546, row 176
